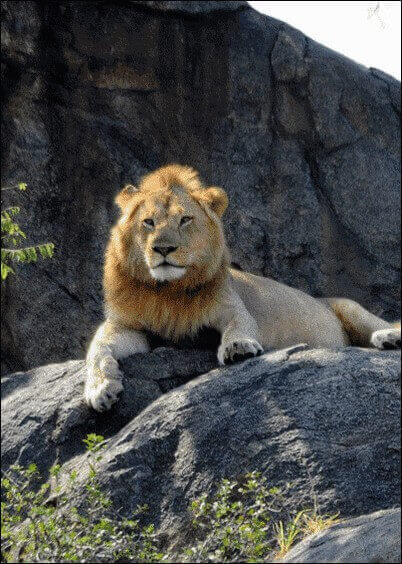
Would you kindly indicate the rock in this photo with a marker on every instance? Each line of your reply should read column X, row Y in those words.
column 305, row 141
column 194, row 7
column 322, row 425
column 52, row 426
column 369, row 538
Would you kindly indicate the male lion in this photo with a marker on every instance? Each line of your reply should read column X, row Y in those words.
column 167, row 271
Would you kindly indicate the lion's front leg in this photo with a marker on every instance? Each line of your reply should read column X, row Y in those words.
column 240, row 335
column 104, row 379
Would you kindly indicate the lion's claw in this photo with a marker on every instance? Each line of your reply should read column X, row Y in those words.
column 238, row 351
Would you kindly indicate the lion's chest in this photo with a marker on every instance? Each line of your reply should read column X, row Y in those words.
column 176, row 318
column 171, row 317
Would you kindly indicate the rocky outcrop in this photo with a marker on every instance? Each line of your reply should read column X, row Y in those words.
column 369, row 538
column 305, row 141
column 322, row 425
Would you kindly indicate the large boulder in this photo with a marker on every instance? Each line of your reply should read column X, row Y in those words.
column 322, row 425
column 305, row 141
column 369, row 538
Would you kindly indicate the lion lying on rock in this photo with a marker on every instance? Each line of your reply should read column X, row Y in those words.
column 167, row 270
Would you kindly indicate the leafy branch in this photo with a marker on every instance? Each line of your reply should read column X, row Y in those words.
column 12, row 238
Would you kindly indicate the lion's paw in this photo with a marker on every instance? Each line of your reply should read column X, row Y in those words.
column 102, row 392
column 238, row 350
column 102, row 396
column 386, row 339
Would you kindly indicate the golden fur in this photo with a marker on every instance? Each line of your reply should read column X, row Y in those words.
column 167, row 271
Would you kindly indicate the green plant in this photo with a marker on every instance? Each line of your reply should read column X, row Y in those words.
column 287, row 534
column 12, row 237
column 312, row 523
column 39, row 528
column 244, row 521
column 237, row 524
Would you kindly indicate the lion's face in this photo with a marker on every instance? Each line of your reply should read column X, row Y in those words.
column 172, row 232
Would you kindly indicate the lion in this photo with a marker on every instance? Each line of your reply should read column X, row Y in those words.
column 167, row 271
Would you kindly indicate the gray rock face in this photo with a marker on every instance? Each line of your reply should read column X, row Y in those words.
column 52, row 416
column 305, row 142
column 194, row 8
column 320, row 424
column 369, row 538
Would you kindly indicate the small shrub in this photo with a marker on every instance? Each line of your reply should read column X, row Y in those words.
column 239, row 522
column 36, row 528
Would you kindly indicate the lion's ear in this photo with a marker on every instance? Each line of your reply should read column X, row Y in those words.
column 124, row 196
column 215, row 198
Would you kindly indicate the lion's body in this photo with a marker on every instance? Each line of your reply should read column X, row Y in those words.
column 167, row 271
column 286, row 316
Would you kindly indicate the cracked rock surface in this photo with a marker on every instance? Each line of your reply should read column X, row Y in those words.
column 305, row 141
column 322, row 425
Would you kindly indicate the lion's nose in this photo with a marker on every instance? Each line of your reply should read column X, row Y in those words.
column 164, row 251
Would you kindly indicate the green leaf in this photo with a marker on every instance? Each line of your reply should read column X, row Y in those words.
column 32, row 468
column 5, row 270
column 55, row 470
column 46, row 250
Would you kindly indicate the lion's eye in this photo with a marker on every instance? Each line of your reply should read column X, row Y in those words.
column 185, row 219
column 149, row 222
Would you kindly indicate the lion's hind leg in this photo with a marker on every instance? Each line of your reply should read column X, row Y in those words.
column 104, row 379
column 363, row 328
